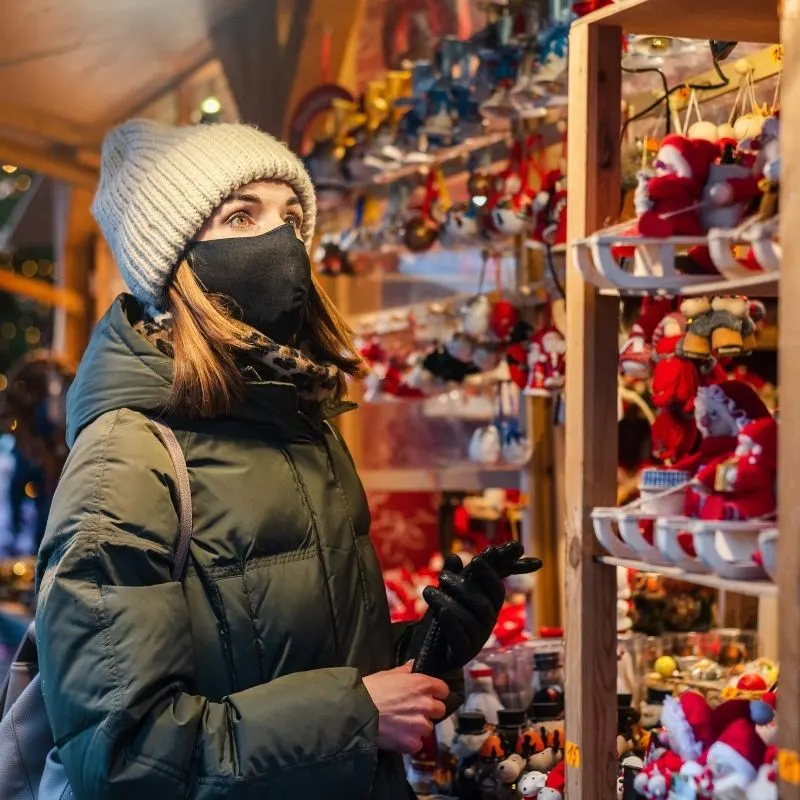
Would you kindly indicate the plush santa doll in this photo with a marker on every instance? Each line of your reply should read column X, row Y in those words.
column 688, row 724
column 721, row 411
column 744, row 486
column 672, row 197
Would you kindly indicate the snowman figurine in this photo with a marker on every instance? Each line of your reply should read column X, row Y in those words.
column 483, row 699
column 471, row 735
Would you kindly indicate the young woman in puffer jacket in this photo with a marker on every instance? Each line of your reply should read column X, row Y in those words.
column 270, row 670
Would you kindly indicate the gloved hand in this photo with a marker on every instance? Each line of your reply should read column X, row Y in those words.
column 463, row 609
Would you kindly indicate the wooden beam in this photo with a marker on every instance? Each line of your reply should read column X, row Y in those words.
column 591, row 436
column 48, row 163
column 32, row 121
column 42, row 292
column 75, row 232
column 789, row 432
column 726, row 20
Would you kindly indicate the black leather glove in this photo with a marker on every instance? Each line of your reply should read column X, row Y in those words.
column 463, row 610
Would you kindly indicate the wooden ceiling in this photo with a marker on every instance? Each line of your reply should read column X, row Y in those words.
column 69, row 70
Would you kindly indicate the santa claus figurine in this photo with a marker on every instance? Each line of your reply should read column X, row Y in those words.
column 743, row 486
column 721, row 411
column 669, row 202
column 688, row 723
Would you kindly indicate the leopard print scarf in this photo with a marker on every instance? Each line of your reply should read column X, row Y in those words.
column 316, row 384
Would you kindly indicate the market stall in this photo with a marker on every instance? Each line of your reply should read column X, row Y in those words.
column 473, row 186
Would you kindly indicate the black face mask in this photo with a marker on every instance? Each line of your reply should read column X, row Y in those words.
column 268, row 277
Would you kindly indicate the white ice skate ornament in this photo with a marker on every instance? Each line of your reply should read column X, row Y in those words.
column 485, row 446
column 475, row 317
column 531, row 784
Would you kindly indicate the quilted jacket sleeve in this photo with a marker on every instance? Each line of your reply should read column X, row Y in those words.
column 117, row 664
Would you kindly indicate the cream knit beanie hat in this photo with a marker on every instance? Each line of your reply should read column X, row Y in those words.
column 160, row 183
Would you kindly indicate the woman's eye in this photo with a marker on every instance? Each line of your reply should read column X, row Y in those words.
column 240, row 219
column 294, row 220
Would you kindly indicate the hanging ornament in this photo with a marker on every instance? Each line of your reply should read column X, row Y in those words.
column 512, row 212
column 546, row 362
column 422, row 229
column 331, row 258
column 461, row 222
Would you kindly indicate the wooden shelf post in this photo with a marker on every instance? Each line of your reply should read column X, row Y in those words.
column 789, row 453
column 593, row 174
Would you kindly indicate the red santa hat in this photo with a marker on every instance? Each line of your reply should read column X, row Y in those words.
column 478, row 671
column 688, row 720
column 696, row 155
column 740, row 747
column 740, row 399
column 763, row 433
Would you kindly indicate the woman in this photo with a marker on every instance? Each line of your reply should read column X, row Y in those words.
column 271, row 669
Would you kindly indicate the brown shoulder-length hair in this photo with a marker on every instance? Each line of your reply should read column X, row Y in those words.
column 207, row 340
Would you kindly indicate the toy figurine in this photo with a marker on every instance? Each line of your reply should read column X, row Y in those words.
column 672, row 196
column 471, row 735
column 483, row 699
column 743, row 487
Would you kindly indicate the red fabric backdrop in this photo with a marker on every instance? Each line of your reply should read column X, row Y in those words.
column 404, row 527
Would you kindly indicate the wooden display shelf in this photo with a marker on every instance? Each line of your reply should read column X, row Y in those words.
column 753, row 588
column 594, row 179
column 760, row 285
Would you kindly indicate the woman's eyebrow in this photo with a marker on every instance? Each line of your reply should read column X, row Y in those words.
column 245, row 198
column 293, row 201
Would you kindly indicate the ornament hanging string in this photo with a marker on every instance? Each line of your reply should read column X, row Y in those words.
column 691, row 106
column 776, row 97
column 724, row 81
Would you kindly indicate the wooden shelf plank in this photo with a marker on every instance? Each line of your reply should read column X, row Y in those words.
column 726, row 20
column 752, row 588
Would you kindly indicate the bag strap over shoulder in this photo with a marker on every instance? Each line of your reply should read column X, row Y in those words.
column 184, row 497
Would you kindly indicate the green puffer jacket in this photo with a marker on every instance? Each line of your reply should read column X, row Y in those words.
column 244, row 680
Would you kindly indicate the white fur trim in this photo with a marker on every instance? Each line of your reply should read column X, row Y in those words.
column 681, row 736
column 672, row 158
column 725, row 754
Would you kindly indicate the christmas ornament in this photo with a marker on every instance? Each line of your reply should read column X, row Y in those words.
column 669, row 201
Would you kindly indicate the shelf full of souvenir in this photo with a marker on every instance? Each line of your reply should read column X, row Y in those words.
column 706, row 507
column 508, row 739
column 706, row 203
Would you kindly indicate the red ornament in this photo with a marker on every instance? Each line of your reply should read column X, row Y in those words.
column 752, row 683
column 504, row 318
